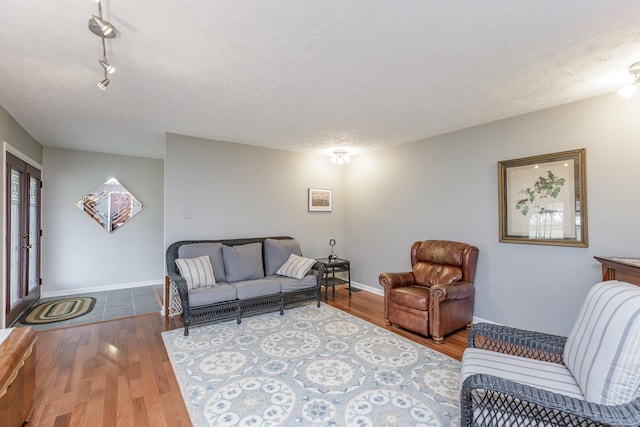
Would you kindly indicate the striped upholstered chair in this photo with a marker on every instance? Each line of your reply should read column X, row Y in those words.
column 511, row 377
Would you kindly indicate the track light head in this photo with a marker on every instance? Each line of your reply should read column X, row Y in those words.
column 101, row 28
column 103, row 84
column 108, row 68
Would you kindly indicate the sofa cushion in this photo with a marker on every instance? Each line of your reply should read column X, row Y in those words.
column 256, row 288
column 243, row 262
column 213, row 250
column 205, row 296
column 276, row 253
column 296, row 266
column 289, row 284
column 197, row 272
column 603, row 349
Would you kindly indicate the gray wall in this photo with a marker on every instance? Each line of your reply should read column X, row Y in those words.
column 79, row 255
column 16, row 136
column 446, row 188
column 237, row 190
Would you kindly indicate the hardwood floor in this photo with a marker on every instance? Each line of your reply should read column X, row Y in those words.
column 116, row 373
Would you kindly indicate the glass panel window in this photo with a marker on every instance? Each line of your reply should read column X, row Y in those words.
column 15, row 238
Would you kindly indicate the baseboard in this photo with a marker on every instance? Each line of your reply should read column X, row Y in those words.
column 481, row 320
column 374, row 290
column 65, row 292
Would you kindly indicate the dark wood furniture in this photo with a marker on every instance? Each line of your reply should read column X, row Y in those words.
column 331, row 267
column 620, row 268
column 17, row 376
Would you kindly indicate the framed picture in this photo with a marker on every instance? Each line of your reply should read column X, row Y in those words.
column 319, row 200
column 543, row 199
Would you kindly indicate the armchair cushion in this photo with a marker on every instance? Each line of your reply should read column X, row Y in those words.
column 549, row 376
column 428, row 273
column 603, row 349
column 411, row 296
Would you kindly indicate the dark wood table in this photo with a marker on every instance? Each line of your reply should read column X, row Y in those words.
column 624, row 269
column 331, row 267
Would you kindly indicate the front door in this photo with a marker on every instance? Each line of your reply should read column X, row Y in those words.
column 23, row 236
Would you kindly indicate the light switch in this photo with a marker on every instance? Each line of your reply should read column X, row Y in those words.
column 187, row 213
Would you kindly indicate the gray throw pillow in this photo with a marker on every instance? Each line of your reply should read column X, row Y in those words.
column 213, row 250
column 243, row 262
column 276, row 253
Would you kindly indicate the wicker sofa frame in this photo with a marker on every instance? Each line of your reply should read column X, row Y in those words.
column 498, row 402
column 236, row 308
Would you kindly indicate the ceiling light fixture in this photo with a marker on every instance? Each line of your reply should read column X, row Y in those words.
column 341, row 157
column 104, row 30
column 628, row 91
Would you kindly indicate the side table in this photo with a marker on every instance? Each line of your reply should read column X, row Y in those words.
column 331, row 267
column 620, row 268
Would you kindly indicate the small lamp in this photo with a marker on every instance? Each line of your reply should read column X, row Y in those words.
column 332, row 257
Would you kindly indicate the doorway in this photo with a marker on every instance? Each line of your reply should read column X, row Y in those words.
column 23, row 198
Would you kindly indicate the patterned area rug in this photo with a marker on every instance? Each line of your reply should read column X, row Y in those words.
column 58, row 310
column 312, row 366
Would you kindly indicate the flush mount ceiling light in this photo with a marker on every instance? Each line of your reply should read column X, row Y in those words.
column 341, row 157
column 631, row 88
column 104, row 30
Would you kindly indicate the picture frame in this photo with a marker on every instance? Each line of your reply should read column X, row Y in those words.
column 543, row 199
column 320, row 200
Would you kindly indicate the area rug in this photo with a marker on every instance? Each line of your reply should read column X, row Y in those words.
column 58, row 310
column 311, row 367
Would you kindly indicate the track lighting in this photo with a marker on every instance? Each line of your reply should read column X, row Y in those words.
column 628, row 91
column 104, row 30
column 341, row 157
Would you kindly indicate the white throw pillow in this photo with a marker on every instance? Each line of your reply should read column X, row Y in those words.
column 197, row 272
column 603, row 349
column 296, row 266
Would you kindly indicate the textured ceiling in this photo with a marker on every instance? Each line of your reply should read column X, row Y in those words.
column 302, row 75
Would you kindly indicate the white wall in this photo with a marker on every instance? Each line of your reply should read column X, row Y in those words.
column 237, row 190
column 445, row 187
column 78, row 255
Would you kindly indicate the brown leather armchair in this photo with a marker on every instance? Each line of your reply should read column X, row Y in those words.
column 436, row 297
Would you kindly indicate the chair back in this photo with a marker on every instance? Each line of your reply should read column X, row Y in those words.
column 441, row 262
column 603, row 349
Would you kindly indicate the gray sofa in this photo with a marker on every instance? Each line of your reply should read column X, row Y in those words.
column 245, row 278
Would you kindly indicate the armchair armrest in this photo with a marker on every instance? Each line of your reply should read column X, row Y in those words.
column 499, row 401
column 451, row 291
column 395, row 280
column 518, row 342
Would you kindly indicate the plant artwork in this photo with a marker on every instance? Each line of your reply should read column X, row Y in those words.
column 542, row 188
column 542, row 199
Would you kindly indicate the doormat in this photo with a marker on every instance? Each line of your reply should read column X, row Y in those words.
column 58, row 310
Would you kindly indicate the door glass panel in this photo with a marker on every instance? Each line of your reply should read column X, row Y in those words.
column 34, row 231
column 15, row 238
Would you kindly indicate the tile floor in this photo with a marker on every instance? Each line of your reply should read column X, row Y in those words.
column 109, row 305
